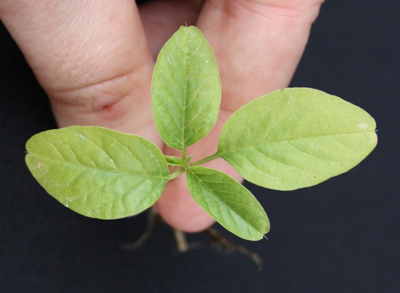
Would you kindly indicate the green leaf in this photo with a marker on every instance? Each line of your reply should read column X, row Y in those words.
column 186, row 89
column 228, row 202
column 174, row 161
column 98, row 172
column 294, row 138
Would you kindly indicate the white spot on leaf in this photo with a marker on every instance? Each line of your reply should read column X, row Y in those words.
column 362, row 126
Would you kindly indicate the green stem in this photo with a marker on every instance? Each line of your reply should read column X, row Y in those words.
column 176, row 173
column 205, row 160
column 184, row 154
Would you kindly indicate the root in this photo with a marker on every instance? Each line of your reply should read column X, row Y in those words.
column 218, row 241
column 152, row 219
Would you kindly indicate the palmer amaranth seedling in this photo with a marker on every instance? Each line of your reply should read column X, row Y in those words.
column 289, row 139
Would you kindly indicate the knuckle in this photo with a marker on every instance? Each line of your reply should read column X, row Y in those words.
column 103, row 101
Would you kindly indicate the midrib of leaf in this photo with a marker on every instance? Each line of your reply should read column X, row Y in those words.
column 201, row 89
column 96, row 169
column 223, row 202
column 290, row 139
column 106, row 185
column 185, row 96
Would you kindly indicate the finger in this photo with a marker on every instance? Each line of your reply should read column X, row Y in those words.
column 162, row 18
column 91, row 57
column 258, row 45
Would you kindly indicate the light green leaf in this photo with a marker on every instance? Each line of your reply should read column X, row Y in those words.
column 295, row 138
column 98, row 172
column 228, row 202
column 186, row 89
column 174, row 161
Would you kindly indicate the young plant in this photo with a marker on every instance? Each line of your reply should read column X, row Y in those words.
column 289, row 139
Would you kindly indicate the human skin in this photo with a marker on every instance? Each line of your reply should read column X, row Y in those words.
column 95, row 59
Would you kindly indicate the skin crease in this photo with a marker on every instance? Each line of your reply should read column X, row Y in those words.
column 95, row 60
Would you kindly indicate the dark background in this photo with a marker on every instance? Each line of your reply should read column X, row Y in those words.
column 340, row 236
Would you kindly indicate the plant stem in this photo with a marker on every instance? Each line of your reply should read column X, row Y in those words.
column 184, row 154
column 181, row 241
column 205, row 160
column 176, row 173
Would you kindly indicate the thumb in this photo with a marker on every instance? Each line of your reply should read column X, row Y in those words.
column 92, row 59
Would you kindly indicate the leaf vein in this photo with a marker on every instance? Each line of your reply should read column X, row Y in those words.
column 126, row 148
column 347, row 147
column 101, row 149
column 300, row 150
column 256, row 167
column 104, row 170
column 201, row 89
column 283, row 163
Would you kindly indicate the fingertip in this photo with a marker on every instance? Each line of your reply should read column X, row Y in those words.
column 179, row 210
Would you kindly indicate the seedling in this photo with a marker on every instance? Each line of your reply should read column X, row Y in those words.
column 288, row 139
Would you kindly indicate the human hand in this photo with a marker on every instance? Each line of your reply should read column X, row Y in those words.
column 95, row 61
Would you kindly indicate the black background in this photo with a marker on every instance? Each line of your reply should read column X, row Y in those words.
column 340, row 236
